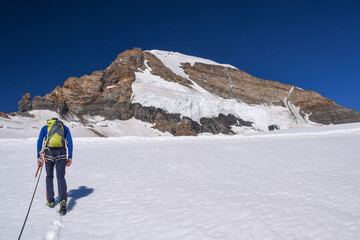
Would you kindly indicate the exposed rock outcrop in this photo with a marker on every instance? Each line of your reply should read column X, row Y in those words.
column 4, row 115
column 178, row 126
column 322, row 110
column 25, row 104
column 53, row 101
column 222, row 124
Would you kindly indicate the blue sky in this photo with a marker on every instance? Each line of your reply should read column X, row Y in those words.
column 314, row 45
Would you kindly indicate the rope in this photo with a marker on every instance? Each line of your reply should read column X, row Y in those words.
column 31, row 203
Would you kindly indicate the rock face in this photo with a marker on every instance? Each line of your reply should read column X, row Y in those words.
column 25, row 104
column 233, row 83
column 106, row 93
column 109, row 92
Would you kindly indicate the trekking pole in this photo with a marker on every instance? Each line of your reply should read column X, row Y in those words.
column 37, row 171
column 40, row 167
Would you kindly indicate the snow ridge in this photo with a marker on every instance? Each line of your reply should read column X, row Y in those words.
column 173, row 61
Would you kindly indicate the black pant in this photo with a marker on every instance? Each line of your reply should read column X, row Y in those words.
column 60, row 175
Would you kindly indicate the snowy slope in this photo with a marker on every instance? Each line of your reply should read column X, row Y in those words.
column 25, row 127
column 292, row 184
column 196, row 102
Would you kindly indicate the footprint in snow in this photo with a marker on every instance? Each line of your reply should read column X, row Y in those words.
column 55, row 230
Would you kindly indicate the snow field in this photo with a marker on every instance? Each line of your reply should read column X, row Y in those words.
column 301, row 184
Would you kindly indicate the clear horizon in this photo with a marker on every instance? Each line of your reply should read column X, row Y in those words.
column 314, row 46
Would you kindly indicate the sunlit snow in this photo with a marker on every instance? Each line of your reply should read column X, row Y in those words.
column 290, row 184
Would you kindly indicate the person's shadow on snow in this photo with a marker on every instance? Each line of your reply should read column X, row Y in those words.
column 76, row 194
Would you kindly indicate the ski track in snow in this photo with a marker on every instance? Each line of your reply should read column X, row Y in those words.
column 298, row 184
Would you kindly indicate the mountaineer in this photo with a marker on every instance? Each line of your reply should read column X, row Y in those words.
column 55, row 146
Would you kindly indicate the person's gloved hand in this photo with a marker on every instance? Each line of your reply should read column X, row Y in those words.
column 39, row 162
column 68, row 162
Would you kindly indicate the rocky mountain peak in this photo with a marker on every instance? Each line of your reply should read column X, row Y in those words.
column 177, row 94
column 133, row 59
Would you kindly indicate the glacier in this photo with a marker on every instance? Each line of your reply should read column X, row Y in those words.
column 289, row 184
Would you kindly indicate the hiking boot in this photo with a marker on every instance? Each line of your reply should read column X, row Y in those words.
column 62, row 209
column 50, row 204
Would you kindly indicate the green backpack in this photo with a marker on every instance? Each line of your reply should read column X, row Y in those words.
column 55, row 133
